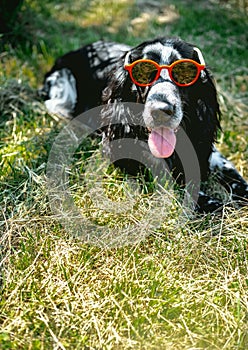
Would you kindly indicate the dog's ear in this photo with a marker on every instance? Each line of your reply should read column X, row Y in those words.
column 207, row 106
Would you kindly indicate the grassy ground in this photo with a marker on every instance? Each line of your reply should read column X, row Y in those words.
column 184, row 286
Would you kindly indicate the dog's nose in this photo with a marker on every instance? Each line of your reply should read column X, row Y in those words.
column 167, row 109
column 162, row 114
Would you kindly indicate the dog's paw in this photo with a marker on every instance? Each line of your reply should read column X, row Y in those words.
column 207, row 204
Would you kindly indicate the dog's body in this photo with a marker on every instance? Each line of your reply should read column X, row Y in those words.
column 77, row 79
column 167, row 108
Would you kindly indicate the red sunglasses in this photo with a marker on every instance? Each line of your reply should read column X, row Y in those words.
column 184, row 72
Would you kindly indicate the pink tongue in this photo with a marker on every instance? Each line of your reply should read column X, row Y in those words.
column 162, row 142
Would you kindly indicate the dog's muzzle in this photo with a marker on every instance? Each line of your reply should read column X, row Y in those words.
column 162, row 116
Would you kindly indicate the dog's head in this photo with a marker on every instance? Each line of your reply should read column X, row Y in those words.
column 167, row 103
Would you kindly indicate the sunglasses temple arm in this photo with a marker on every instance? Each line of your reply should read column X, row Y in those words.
column 199, row 55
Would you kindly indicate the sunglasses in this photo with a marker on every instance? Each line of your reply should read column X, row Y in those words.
column 144, row 72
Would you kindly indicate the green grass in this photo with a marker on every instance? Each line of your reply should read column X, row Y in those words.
column 182, row 285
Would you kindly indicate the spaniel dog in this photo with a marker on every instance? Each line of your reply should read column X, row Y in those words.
column 169, row 78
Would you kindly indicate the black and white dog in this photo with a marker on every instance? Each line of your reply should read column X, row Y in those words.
column 169, row 77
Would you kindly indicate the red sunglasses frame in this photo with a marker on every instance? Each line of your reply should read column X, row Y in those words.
column 129, row 68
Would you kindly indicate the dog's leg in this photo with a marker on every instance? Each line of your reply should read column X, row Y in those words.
column 229, row 177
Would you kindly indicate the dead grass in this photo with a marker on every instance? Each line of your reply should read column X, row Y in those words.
column 183, row 291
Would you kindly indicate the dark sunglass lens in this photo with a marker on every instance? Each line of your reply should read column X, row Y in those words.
column 144, row 72
column 184, row 72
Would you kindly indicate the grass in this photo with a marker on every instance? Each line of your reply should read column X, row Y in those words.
column 181, row 285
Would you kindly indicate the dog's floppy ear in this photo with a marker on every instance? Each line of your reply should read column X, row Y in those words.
column 207, row 106
column 198, row 57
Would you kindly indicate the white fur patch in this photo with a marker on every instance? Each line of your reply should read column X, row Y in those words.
column 218, row 162
column 62, row 93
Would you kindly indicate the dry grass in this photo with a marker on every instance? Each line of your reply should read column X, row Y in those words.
column 185, row 291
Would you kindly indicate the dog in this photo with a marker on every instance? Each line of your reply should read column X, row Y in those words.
column 170, row 79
